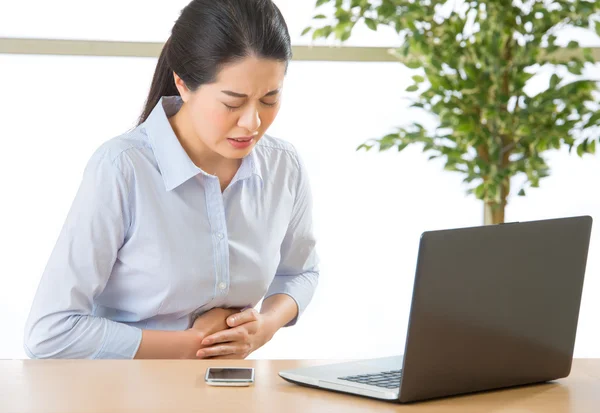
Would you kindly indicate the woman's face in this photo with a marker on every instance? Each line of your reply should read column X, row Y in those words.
column 231, row 115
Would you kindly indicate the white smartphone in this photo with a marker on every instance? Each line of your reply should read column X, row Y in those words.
column 229, row 376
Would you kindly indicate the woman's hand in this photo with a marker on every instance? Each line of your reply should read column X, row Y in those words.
column 183, row 344
column 248, row 331
column 211, row 322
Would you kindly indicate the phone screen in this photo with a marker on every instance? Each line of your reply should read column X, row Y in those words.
column 229, row 373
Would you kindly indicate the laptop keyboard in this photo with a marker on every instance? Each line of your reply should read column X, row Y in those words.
column 385, row 379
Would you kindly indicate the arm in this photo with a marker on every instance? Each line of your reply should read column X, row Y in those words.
column 169, row 344
column 278, row 311
column 60, row 323
column 183, row 344
column 297, row 274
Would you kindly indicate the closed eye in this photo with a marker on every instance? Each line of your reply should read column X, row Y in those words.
column 233, row 108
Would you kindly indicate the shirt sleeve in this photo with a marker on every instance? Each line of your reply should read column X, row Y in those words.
column 60, row 323
column 297, row 274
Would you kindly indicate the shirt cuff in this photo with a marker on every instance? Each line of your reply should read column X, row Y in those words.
column 300, row 287
column 120, row 341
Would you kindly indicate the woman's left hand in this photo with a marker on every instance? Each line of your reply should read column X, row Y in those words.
column 249, row 330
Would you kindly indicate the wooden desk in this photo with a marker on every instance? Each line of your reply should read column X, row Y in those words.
column 76, row 386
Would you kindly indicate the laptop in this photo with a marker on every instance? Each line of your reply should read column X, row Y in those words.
column 492, row 307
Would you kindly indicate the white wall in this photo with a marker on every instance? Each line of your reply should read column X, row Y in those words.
column 370, row 207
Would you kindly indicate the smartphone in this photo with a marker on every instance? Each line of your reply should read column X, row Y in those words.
column 229, row 376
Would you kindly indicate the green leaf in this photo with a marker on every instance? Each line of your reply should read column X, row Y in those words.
column 342, row 15
column 402, row 146
column 587, row 146
column 388, row 141
column 308, row 29
column 412, row 88
column 406, row 49
column 594, row 120
column 573, row 45
column 552, row 48
column 319, row 16
column 464, row 127
column 321, row 2
column 480, row 191
column 575, row 68
column 418, row 78
column 470, row 178
column 414, row 64
column 521, row 192
column 371, row 24
column 437, row 63
column 384, row 146
column 341, row 29
column 345, row 36
column 554, row 81
column 323, row 32
column 492, row 190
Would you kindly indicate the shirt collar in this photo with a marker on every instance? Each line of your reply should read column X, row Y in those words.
column 174, row 164
column 248, row 168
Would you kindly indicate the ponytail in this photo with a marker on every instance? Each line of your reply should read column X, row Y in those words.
column 209, row 34
column 163, row 83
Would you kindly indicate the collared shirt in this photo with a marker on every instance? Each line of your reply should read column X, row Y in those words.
column 151, row 241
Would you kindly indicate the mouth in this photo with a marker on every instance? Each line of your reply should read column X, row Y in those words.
column 244, row 139
column 241, row 142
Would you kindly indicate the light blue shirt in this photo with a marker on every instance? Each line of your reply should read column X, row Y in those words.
column 150, row 242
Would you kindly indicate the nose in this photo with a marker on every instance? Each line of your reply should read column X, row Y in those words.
column 250, row 119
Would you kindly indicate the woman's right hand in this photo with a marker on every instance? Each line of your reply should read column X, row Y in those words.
column 211, row 322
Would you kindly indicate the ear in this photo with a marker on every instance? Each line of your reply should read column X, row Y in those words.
column 184, row 92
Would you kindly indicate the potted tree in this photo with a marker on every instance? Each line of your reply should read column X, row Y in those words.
column 472, row 61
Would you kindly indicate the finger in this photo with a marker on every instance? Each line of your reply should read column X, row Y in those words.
column 221, row 350
column 230, row 357
column 243, row 317
column 225, row 336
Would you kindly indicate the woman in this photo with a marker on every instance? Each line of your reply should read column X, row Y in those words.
column 181, row 226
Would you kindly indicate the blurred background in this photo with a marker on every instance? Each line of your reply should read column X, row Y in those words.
column 59, row 101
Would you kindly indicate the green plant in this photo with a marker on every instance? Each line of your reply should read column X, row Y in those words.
column 472, row 61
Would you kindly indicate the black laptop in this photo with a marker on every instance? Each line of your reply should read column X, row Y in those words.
column 492, row 307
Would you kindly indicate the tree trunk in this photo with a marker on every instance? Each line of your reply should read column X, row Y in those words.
column 493, row 213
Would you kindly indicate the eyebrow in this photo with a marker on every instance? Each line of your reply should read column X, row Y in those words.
column 241, row 95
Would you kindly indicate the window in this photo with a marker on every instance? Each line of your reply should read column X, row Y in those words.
column 141, row 20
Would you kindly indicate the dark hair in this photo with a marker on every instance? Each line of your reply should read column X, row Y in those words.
column 210, row 34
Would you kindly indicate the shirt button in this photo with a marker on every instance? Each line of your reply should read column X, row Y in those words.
column 222, row 285
column 219, row 235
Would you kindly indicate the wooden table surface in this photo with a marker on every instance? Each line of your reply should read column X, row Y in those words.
column 85, row 386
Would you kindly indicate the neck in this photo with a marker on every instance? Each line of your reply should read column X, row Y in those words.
column 202, row 156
